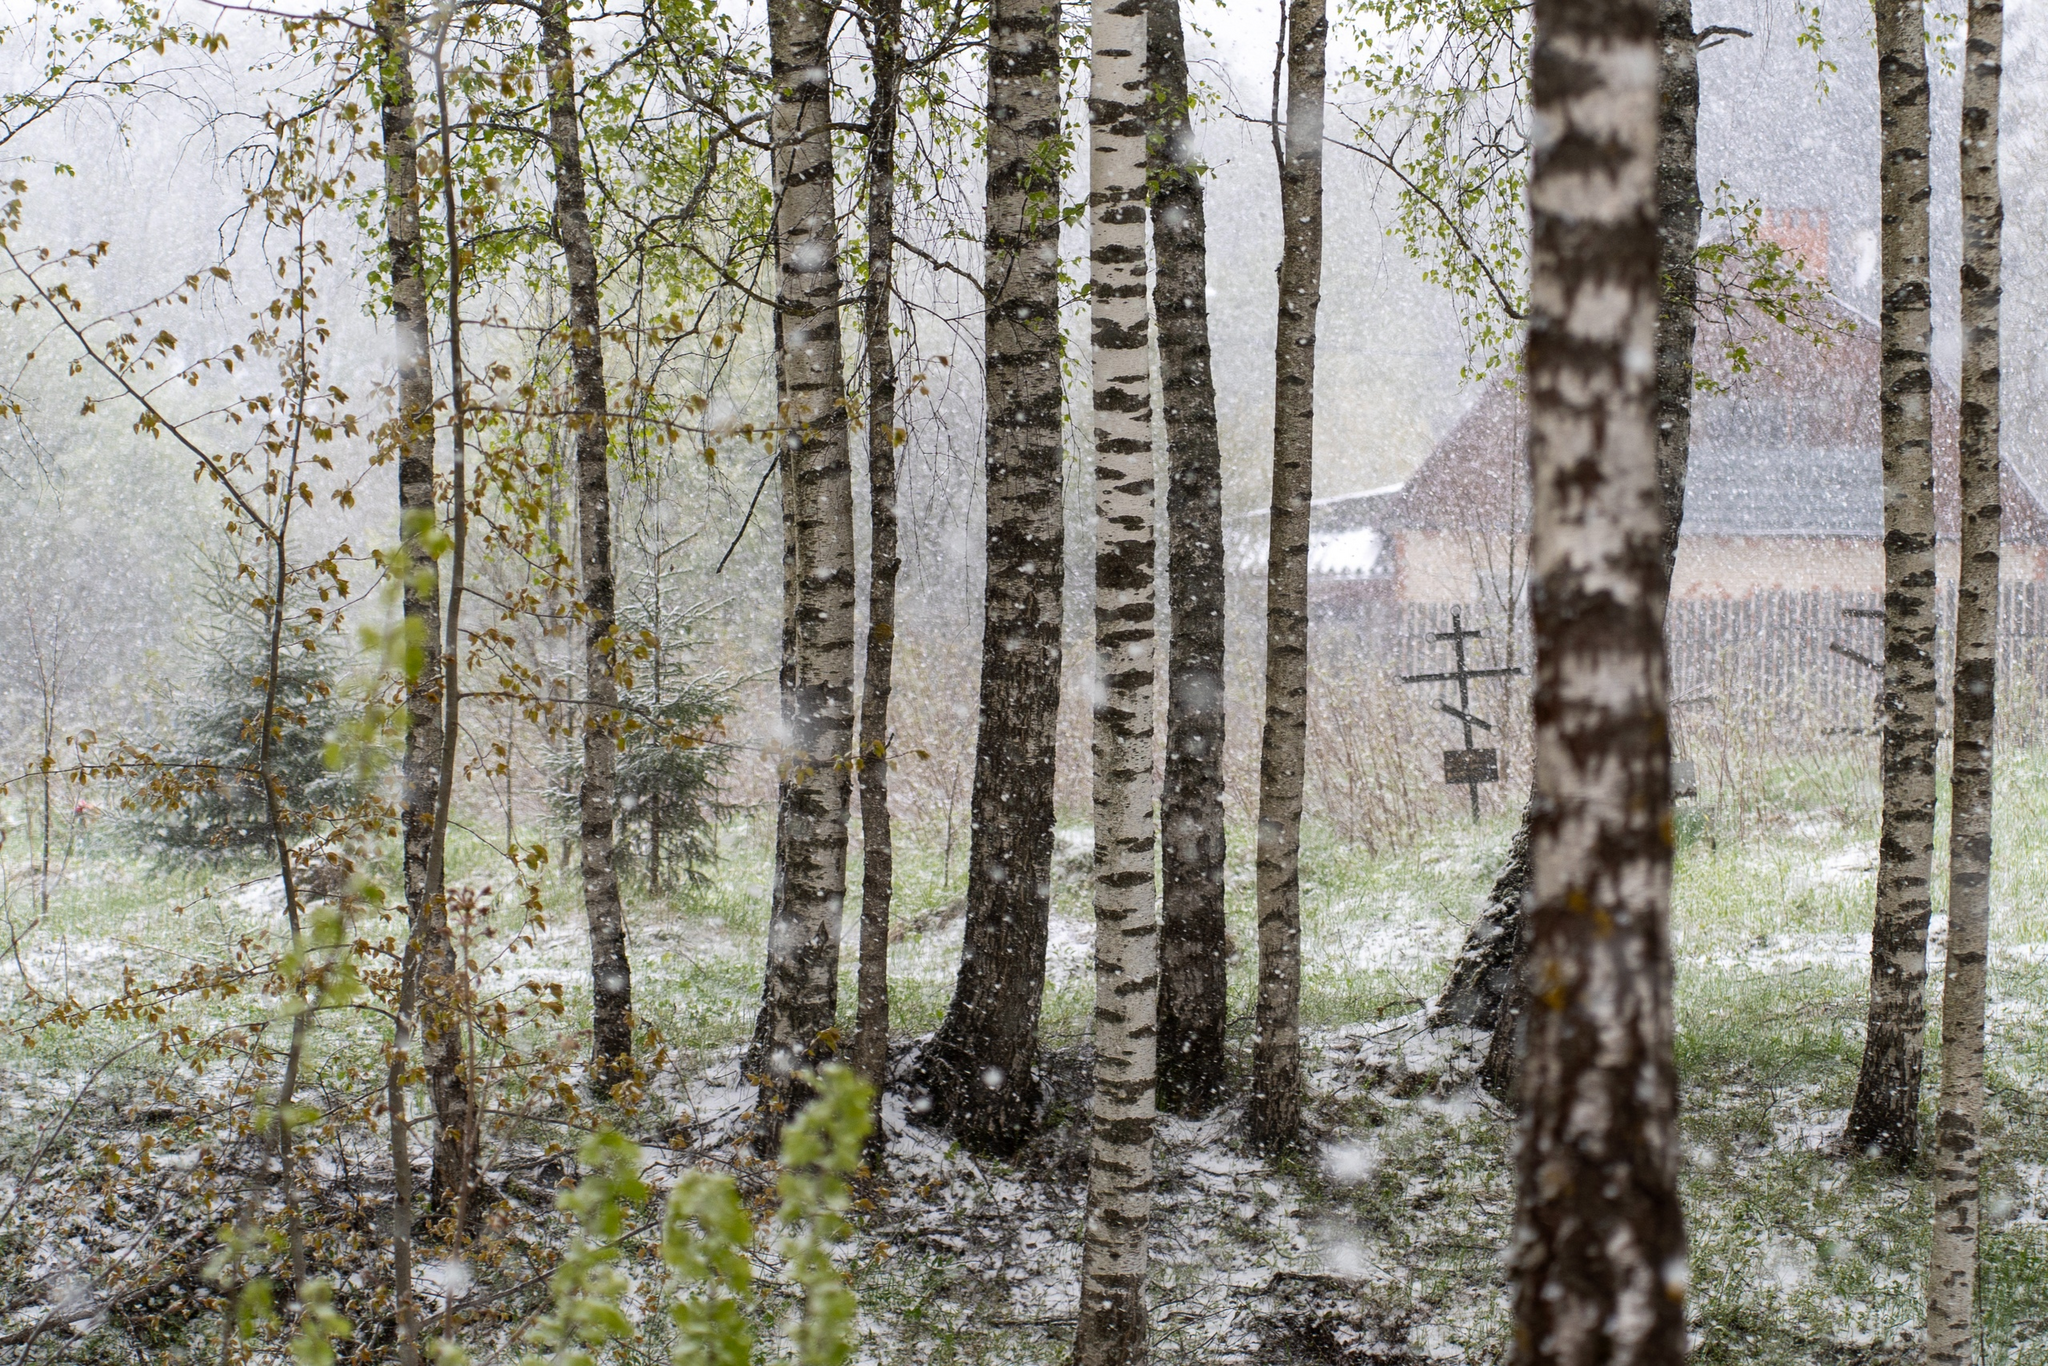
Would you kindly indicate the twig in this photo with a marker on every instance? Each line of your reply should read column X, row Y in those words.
column 748, row 520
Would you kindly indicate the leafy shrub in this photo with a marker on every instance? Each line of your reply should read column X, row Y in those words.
column 715, row 1303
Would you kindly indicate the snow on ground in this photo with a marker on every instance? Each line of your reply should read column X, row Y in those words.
column 1381, row 1241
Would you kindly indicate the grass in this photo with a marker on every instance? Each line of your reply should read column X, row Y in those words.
column 1383, row 1243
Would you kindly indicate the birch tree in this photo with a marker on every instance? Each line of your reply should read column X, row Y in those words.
column 871, row 1024
column 442, row 989
column 413, row 433
column 1193, row 989
column 611, row 973
column 425, row 771
column 1598, row 1252
column 1481, row 978
column 800, row 992
column 1112, row 1325
column 1958, row 1152
column 1885, row 1116
column 1274, row 1111
column 979, row 1069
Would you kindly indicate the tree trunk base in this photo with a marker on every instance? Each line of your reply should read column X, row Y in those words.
column 1481, row 978
column 951, row 1090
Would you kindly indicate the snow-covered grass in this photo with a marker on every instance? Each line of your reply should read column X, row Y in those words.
column 1380, row 1241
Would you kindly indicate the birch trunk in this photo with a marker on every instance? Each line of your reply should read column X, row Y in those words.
column 611, row 974
column 1273, row 1112
column 442, row 988
column 800, row 991
column 1885, row 1117
column 1193, row 989
column 1481, row 978
column 1482, row 984
column 413, row 432
column 871, row 1022
column 979, row 1071
column 1112, row 1326
column 1958, row 1155
column 785, row 668
column 1598, row 1256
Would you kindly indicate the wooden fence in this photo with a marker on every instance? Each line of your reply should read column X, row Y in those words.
column 1798, row 656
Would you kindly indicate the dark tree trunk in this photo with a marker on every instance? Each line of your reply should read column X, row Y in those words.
column 1885, row 1117
column 1480, row 978
column 1678, row 240
column 785, row 669
column 799, row 996
column 442, row 987
column 1958, row 1140
column 1273, row 1113
column 611, row 974
column 413, row 432
column 979, row 1071
column 1502, row 1066
column 1598, row 1255
column 431, row 943
column 871, row 1023
column 1193, row 987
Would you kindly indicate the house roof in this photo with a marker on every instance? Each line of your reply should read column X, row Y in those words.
column 1788, row 448
column 1758, row 490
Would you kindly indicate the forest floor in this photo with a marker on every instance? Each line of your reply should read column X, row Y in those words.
column 1379, row 1243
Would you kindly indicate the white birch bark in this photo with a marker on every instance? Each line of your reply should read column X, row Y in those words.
column 611, row 970
column 1958, row 1151
column 1598, row 1253
column 1112, row 1328
column 413, row 434
column 1885, row 1116
column 800, row 993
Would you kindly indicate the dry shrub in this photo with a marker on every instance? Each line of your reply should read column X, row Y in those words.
column 932, row 719
column 1376, row 745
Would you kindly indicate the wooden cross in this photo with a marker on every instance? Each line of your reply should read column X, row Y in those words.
column 1468, row 766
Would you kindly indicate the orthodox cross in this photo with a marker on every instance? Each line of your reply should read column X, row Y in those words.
column 1468, row 766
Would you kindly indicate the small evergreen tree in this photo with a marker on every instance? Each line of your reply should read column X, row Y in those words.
column 668, row 782
column 671, row 758
column 214, row 807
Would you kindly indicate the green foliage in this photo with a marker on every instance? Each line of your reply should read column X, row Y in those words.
column 704, row 1241
column 320, row 1325
column 1813, row 39
column 590, row 1287
column 1440, row 103
column 1744, row 278
column 818, row 1152
column 715, row 1301
column 669, row 772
